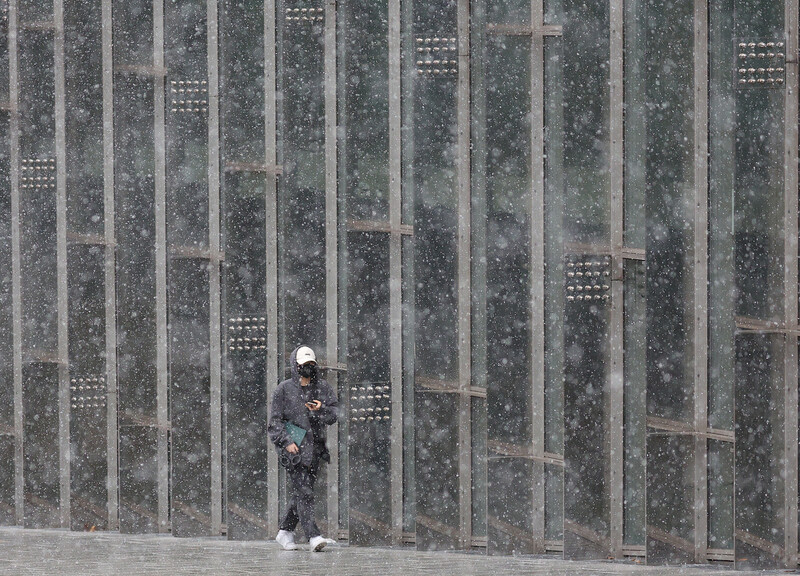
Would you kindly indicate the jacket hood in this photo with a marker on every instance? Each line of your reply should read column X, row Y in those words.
column 293, row 365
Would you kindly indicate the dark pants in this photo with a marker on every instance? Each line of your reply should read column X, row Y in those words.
column 301, row 505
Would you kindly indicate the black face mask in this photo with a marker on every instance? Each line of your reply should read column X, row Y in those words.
column 307, row 370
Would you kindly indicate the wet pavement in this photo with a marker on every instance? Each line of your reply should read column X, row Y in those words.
column 63, row 553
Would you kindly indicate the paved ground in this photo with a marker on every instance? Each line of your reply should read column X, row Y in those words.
column 62, row 553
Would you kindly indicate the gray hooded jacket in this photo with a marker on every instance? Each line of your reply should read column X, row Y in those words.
column 288, row 405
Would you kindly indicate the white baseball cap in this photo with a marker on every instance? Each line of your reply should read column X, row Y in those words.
column 305, row 354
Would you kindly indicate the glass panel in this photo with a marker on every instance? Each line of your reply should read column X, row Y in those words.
column 479, row 266
column 190, row 396
column 185, row 55
column 7, row 473
column 670, row 498
column 721, row 286
column 586, row 208
column 554, row 247
column 758, row 236
column 138, row 479
column 666, row 84
column 89, row 467
column 720, row 495
column 586, row 122
column 6, row 332
column 40, row 444
column 88, row 431
column 635, row 369
column 758, row 201
column 435, row 236
column 758, row 194
column 134, row 162
column 37, row 192
column 241, row 75
column 370, row 391
column 365, row 57
column 513, row 12
column 247, row 413
column 509, row 394
column 247, row 403
column 86, row 267
column 133, row 33
column 554, row 503
column 244, row 270
column 553, row 12
column 34, row 12
column 409, row 400
column 636, row 153
column 135, row 229
column 586, row 456
column 670, row 211
column 4, row 80
column 408, row 200
column 759, row 497
column 479, row 468
column 84, row 122
column 302, row 193
column 437, row 518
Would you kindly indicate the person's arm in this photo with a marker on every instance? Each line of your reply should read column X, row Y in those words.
column 277, row 425
column 328, row 411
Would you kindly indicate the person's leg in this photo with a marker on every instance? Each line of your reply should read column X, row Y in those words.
column 290, row 518
column 303, row 488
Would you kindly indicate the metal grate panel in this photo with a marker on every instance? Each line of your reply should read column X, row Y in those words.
column 437, row 57
column 760, row 64
column 189, row 96
column 588, row 279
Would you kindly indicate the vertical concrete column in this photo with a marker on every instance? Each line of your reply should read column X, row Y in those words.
column 700, row 311
column 215, row 261
column 7, row 436
column 464, row 279
column 16, row 289
column 160, row 211
column 273, row 372
column 791, row 288
column 331, row 256
column 61, row 266
column 616, row 448
column 396, row 272
column 110, row 292
column 537, row 279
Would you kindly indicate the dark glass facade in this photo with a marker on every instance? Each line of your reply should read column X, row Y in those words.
column 546, row 252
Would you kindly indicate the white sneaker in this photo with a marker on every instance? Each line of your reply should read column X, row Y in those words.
column 286, row 539
column 329, row 541
column 317, row 543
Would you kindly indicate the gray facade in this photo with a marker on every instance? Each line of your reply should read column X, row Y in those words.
column 545, row 250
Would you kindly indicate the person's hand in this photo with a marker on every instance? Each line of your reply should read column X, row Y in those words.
column 314, row 405
column 292, row 448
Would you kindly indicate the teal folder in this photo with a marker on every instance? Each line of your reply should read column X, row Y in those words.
column 295, row 433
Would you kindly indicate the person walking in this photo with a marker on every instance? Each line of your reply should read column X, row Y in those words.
column 302, row 408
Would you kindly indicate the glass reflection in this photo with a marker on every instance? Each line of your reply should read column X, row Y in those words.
column 586, row 122
column 635, row 371
column 759, row 487
column 369, row 416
